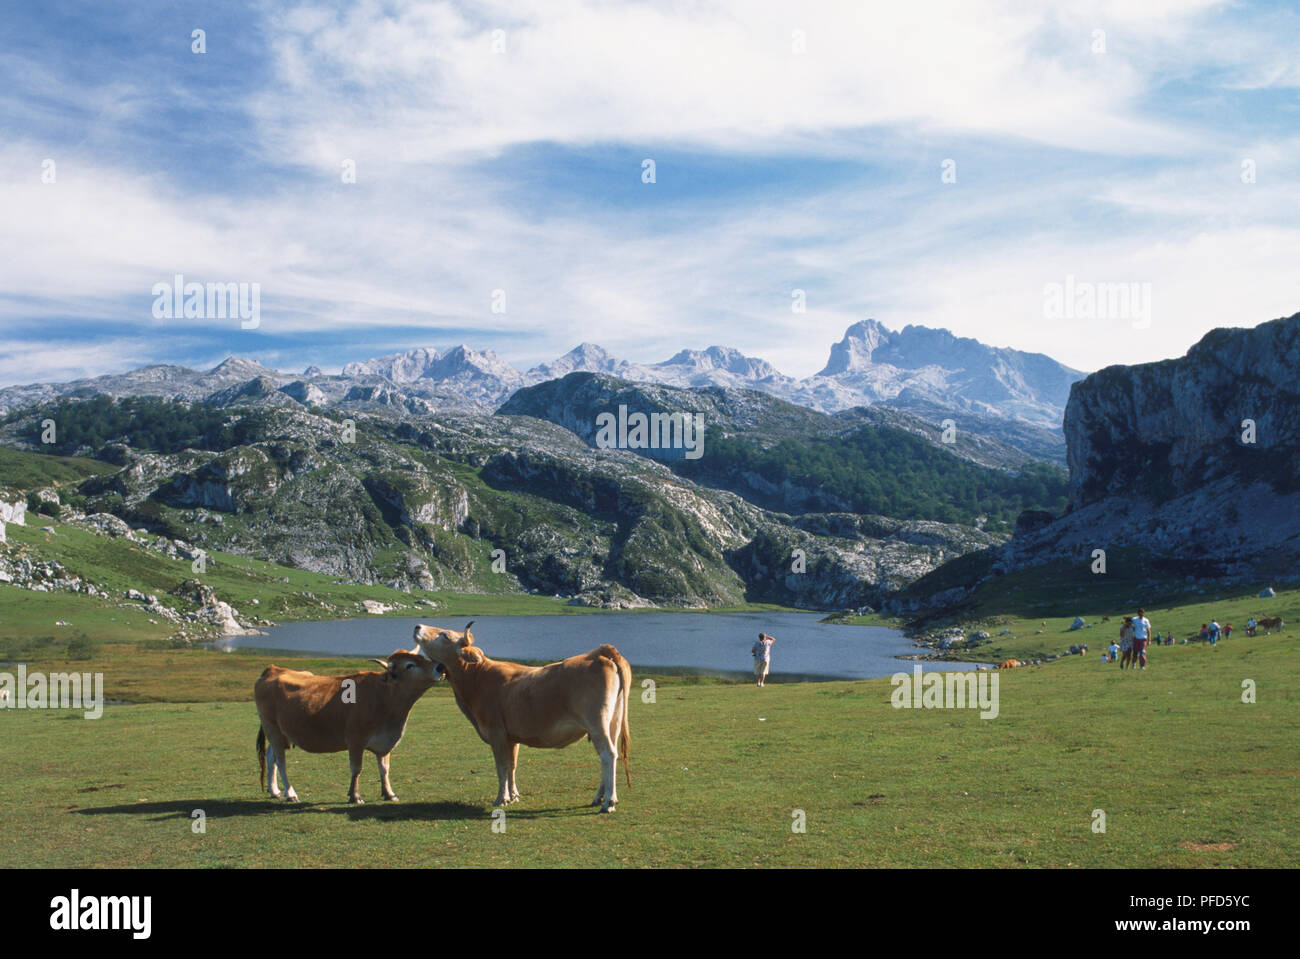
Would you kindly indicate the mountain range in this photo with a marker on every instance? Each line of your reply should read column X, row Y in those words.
column 1013, row 397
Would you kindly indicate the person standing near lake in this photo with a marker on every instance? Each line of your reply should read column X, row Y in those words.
column 762, row 651
column 1141, row 633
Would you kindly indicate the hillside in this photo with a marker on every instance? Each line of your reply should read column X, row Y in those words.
column 457, row 501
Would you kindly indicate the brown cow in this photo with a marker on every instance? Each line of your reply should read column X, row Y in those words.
column 327, row 714
column 1271, row 623
column 547, row 707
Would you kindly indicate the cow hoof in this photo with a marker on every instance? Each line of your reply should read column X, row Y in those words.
column 356, row 800
column 390, row 799
column 606, row 808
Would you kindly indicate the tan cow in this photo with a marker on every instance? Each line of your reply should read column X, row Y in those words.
column 327, row 714
column 547, row 707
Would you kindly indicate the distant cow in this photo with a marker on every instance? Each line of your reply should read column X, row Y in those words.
column 547, row 707
column 1270, row 623
column 327, row 714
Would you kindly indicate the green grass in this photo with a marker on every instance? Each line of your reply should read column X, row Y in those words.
column 24, row 471
column 1172, row 755
column 1039, row 605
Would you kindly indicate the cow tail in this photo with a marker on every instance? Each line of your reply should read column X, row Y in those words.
column 261, row 756
column 624, row 737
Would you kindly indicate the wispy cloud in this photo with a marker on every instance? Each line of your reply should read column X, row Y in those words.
column 521, row 171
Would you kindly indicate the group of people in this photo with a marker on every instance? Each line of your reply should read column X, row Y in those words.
column 1134, row 636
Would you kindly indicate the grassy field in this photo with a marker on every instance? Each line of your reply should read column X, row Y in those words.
column 1185, row 772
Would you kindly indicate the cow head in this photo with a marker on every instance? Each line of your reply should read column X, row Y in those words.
column 411, row 668
column 447, row 645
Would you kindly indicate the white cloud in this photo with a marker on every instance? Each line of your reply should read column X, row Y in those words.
column 419, row 81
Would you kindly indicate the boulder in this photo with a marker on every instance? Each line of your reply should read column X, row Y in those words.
column 1078, row 623
column 107, row 523
column 15, row 512
column 1266, row 592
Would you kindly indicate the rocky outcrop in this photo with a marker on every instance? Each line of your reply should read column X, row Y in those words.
column 1229, row 409
column 1195, row 460
column 212, row 611
column 14, row 512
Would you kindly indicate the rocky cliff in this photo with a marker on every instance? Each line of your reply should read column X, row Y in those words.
column 1194, row 460
column 1229, row 409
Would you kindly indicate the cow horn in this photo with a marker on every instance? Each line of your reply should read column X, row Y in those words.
column 381, row 662
column 469, row 637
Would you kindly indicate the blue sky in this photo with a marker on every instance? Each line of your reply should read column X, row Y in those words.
column 796, row 146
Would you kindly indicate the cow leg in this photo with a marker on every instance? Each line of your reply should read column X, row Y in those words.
column 513, row 761
column 355, row 755
column 607, row 796
column 501, row 753
column 280, row 748
column 386, row 786
column 272, row 779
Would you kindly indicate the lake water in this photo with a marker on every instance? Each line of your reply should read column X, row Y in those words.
column 712, row 643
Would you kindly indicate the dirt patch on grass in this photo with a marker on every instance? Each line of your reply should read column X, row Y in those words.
column 1209, row 846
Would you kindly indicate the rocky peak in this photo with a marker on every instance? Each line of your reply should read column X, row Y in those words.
column 723, row 358
column 237, row 367
column 854, row 352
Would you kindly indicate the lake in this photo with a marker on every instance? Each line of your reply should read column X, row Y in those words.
column 711, row 643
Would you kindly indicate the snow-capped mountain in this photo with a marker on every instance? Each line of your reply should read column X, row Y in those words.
column 1018, row 398
column 923, row 366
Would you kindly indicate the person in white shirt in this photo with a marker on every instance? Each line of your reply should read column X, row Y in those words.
column 762, row 651
column 1141, row 634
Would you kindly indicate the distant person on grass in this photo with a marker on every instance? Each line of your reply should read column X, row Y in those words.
column 762, row 651
column 1214, row 630
column 1126, row 642
column 1113, row 650
column 1141, row 634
